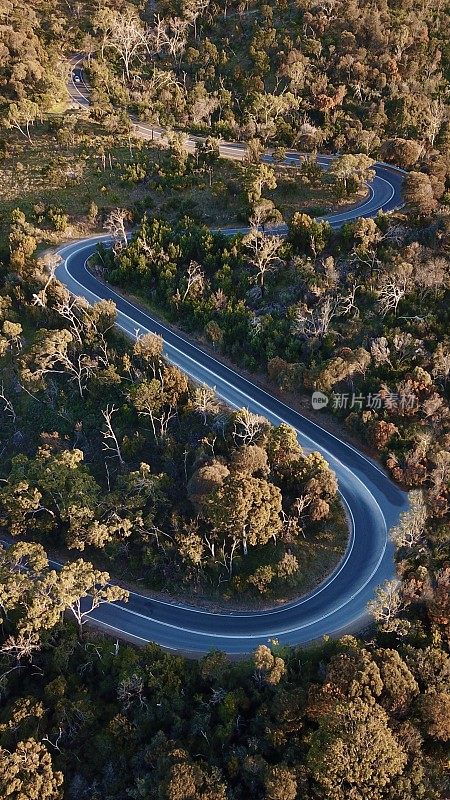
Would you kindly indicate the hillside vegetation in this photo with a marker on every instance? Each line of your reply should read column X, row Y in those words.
column 111, row 459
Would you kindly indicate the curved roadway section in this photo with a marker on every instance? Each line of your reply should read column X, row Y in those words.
column 384, row 192
column 372, row 499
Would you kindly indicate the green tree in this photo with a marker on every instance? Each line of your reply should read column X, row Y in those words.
column 20, row 565
column 261, row 578
column 287, row 566
column 257, row 177
column 52, row 488
column 402, row 152
column 435, row 714
column 354, row 752
column 418, row 193
column 283, row 449
column 206, row 480
column 82, row 589
column 190, row 545
column 309, row 235
column 245, row 509
column 214, row 333
column 21, row 115
column 27, row 774
column 400, row 688
column 270, row 668
column 352, row 171
column 208, row 154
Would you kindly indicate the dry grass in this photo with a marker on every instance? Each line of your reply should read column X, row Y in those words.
column 71, row 175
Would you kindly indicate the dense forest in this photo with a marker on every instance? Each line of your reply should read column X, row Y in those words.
column 107, row 447
column 100, row 719
column 91, row 717
column 357, row 75
column 361, row 76
column 113, row 462
column 361, row 314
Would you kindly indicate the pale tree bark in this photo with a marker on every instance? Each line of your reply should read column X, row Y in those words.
column 50, row 263
column 204, row 401
column 115, row 225
column 392, row 289
column 247, row 427
column 386, row 606
column 194, row 277
column 110, row 441
column 263, row 253
column 8, row 407
column 129, row 37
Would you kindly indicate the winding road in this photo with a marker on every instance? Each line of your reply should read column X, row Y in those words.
column 373, row 501
column 384, row 192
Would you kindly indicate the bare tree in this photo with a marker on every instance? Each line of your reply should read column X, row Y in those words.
column 295, row 523
column 131, row 691
column 160, row 80
column 192, row 10
column 81, row 366
column 20, row 647
column 226, row 556
column 50, row 262
column 440, row 481
column 386, row 606
column 170, row 35
column 128, row 36
column 347, row 302
column 115, row 225
column 436, row 116
column 248, row 427
column 194, row 277
column 380, row 352
column 58, row 738
column 393, row 287
column 431, row 275
column 204, row 401
column 314, row 323
column 52, row 353
column 411, row 526
column 166, row 414
column 8, row 407
column 110, row 441
column 68, row 307
column 441, row 362
column 263, row 253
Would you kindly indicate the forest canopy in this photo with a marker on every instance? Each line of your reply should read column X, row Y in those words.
column 118, row 472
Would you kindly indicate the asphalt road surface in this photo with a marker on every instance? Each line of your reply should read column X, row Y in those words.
column 384, row 192
column 372, row 500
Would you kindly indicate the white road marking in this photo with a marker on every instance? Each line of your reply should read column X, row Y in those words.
column 75, row 251
column 72, row 250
